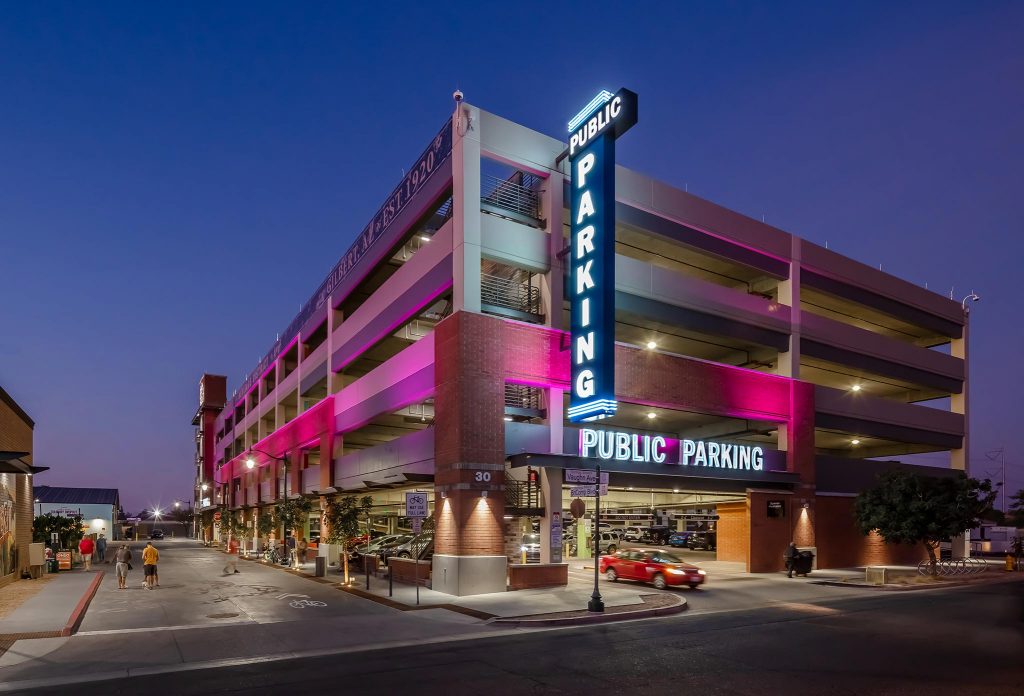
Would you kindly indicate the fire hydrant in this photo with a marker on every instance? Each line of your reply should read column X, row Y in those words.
column 1009, row 563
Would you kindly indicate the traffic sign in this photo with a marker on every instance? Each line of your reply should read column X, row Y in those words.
column 587, row 491
column 584, row 476
column 415, row 504
column 417, row 525
column 577, row 508
column 216, row 516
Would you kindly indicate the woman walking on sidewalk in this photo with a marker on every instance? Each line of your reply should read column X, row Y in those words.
column 123, row 563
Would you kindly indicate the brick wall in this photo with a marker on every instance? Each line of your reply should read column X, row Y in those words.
column 841, row 544
column 526, row 577
column 733, row 532
column 405, row 570
column 769, row 536
column 469, row 436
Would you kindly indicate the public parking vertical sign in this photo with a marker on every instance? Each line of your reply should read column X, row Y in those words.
column 592, row 251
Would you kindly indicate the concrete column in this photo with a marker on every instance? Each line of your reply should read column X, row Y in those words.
column 551, row 489
column 789, row 295
column 466, row 239
column 554, row 287
column 294, row 472
column 960, row 546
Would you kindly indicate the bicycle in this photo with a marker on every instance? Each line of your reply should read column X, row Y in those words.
column 272, row 555
column 300, row 603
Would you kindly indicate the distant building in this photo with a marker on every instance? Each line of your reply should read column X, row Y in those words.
column 15, row 488
column 97, row 506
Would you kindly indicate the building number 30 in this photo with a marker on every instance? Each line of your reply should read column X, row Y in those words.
column 483, row 476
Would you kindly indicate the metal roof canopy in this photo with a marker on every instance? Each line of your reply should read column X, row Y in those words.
column 645, row 475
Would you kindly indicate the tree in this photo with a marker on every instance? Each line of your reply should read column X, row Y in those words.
column 265, row 523
column 911, row 508
column 68, row 529
column 292, row 513
column 1016, row 509
column 343, row 516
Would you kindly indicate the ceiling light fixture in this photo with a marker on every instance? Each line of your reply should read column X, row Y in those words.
column 651, row 345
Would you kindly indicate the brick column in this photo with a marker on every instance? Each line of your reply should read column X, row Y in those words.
column 469, row 456
column 327, row 458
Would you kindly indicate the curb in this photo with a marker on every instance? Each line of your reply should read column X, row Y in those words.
column 79, row 613
column 918, row 588
column 587, row 620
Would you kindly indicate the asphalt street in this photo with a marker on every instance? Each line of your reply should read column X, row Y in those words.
column 949, row 641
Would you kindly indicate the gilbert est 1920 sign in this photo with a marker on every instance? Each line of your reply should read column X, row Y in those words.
column 592, row 251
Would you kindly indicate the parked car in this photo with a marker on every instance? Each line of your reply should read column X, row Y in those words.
column 702, row 540
column 656, row 535
column 531, row 546
column 632, row 534
column 679, row 539
column 422, row 543
column 156, row 534
column 609, row 542
column 660, row 568
column 380, row 542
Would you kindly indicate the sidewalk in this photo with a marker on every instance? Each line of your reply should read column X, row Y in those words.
column 55, row 608
column 476, row 608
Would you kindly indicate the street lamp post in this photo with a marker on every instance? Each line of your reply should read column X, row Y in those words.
column 250, row 463
column 595, row 604
column 40, row 504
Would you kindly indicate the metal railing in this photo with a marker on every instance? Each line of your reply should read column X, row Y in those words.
column 958, row 566
column 509, row 293
column 509, row 195
column 520, row 495
column 522, row 396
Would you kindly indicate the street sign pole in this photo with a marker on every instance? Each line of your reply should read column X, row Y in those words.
column 596, row 605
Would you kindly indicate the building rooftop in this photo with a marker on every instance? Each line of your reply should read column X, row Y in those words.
column 81, row 496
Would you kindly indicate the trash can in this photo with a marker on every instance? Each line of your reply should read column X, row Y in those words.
column 51, row 565
column 321, row 566
column 803, row 563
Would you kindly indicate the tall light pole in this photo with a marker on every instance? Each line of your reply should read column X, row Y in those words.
column 250, row 463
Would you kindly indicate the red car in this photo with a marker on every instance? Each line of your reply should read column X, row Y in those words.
column 659, row 568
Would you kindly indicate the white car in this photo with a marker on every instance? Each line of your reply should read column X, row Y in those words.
column 632, row 534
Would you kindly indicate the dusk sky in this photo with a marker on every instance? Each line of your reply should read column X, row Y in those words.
column 158, row 164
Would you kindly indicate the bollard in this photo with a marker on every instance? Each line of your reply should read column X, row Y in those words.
column 321, row 566
column 1009, row 563
column 391, row 586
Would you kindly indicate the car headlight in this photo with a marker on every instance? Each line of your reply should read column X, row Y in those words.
column 676, row 571
column 701, row 572
column 523, row 548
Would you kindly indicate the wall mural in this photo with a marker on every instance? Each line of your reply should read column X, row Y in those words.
column 8, row 554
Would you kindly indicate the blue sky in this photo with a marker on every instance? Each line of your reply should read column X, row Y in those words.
column 157, row 162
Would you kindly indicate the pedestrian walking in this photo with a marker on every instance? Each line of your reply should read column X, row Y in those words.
column 86, row 547
column 150, row 556
column 1018, row 553
column 300, row 557
column 101, row 549
column 122, row 564
column 231, row 566
column 290, row 545
column 790, row 556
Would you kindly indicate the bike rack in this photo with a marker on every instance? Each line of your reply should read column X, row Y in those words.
column 953, row 567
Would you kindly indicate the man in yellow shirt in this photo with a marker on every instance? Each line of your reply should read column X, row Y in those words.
column 149, row 558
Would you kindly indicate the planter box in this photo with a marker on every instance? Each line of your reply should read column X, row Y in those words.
column 405, row 570
column 533, row 575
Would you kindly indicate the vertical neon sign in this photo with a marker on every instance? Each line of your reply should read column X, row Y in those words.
column 592, row 251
